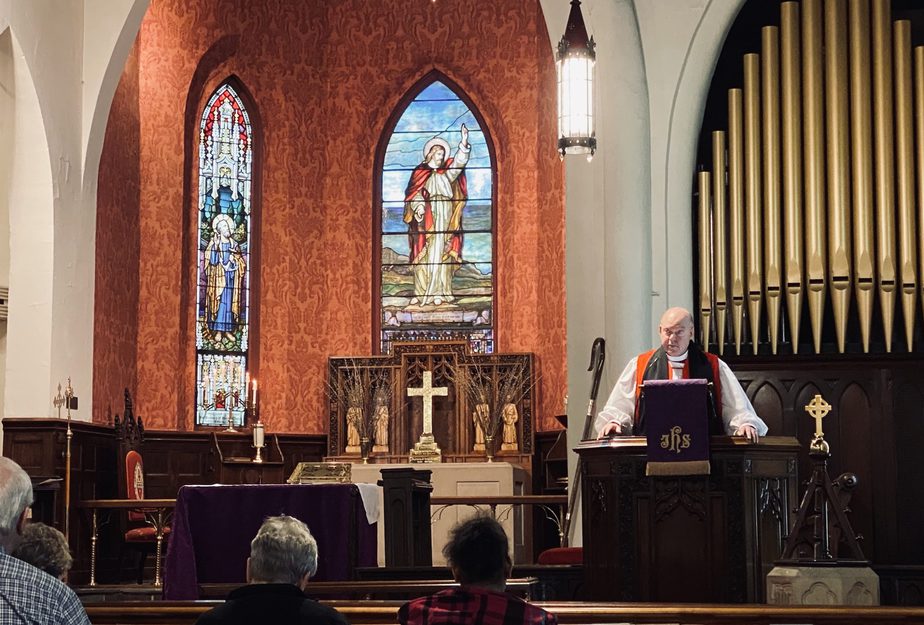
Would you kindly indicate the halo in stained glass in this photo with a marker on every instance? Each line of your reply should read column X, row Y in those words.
column 437, row 278
column 223, row 264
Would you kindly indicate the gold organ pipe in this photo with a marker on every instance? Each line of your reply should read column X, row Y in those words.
column 883, row 163
column 770, row 87
column 904, row 136
column 919, row 148
column 752, row 192
column 836, row 101
column 719, row 216
column 736, row 210
column 813, row 149
column 705, row 257
column 792, row 164
column 862, row 166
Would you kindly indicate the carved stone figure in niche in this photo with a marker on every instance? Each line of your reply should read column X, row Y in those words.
column 510, row 417
column 381, row 428
column 354, row 414
column 480, row 416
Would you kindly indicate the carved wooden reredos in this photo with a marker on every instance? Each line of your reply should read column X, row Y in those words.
column 453, row 424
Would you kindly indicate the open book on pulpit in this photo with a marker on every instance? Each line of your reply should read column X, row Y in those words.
column 674, row 414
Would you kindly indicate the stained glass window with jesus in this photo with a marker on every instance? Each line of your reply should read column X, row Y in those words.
column 437, row 210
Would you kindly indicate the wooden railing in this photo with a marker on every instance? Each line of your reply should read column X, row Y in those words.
column 573, row 613
column 525, row 588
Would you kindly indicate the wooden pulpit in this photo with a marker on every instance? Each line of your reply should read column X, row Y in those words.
column 703, row 538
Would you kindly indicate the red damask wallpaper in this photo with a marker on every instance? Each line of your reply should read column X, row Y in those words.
column 323, row 78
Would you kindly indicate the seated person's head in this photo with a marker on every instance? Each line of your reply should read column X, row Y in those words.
column 45, row 548
column 15, row 499
column 477, row 553
column 282, row 552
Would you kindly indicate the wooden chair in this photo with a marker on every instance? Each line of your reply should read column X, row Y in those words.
column 138, row 533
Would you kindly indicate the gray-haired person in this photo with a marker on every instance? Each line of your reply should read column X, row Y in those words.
column 27, row 594
column 283, row 556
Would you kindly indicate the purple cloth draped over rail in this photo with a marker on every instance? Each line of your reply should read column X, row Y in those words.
column 673, row 403
column 213, row 525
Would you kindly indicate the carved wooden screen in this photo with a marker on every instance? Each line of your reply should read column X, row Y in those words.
column 453, row 423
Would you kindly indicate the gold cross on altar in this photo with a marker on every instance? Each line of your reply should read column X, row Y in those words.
column 817, row 409
column 428, row 392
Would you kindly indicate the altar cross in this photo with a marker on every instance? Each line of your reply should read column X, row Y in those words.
column 428, row 392
column 817, row 409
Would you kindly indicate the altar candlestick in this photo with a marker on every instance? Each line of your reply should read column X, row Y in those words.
column 255, row 394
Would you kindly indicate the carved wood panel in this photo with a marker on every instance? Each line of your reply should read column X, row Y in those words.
column 876, row 430
column 453, row 426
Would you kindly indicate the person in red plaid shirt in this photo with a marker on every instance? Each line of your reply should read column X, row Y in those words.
column 478, row 556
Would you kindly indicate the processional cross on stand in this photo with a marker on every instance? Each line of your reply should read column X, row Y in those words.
column 426, row 449
column 66, row 400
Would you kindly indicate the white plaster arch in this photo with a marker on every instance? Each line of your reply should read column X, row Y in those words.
column 680, row 56
column 105, row 54
column 31, row 234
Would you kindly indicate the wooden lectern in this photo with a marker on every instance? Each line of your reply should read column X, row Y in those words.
column 704, row 538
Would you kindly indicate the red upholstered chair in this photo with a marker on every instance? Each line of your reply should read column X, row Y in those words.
column 137, row 532
column 562, row 555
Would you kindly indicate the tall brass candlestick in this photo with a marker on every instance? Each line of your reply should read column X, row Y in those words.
column 68, row 395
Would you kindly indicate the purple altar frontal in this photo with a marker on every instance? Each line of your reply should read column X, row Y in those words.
column 213, row 526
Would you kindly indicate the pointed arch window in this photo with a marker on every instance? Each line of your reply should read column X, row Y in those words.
column 436, row 218
column 224, row 268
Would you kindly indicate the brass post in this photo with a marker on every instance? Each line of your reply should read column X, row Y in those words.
column 862, row 164
column 813, row 148
column 791, row 84
column 752, row 192
column 705, row 258
column 836, row 101
column 919, row 149
column 736, row 210
column 719, row 217
column 904, row 136
column 884, row 164
column 770, row 95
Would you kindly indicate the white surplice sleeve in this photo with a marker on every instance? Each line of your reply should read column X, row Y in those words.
column 736, row 407
column 620, row 407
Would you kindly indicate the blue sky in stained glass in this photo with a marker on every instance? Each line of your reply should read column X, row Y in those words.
column 437, row 111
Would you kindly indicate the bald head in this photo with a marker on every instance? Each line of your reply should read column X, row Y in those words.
column 15, row 497
column 676, row 330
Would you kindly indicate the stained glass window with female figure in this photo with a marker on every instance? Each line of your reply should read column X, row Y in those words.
column 223, row 261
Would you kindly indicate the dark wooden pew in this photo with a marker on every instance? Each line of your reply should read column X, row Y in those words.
column 526, row 588
column 570, row 613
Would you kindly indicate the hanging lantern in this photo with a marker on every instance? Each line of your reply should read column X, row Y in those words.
column 576, row 59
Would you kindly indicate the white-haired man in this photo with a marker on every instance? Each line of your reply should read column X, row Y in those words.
column 27, row 594
column 679, row 358
column 283, row 556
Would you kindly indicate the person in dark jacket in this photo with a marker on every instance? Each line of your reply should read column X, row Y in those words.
column 283, row 556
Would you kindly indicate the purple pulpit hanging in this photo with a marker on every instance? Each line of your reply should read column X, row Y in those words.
column 677, row 426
